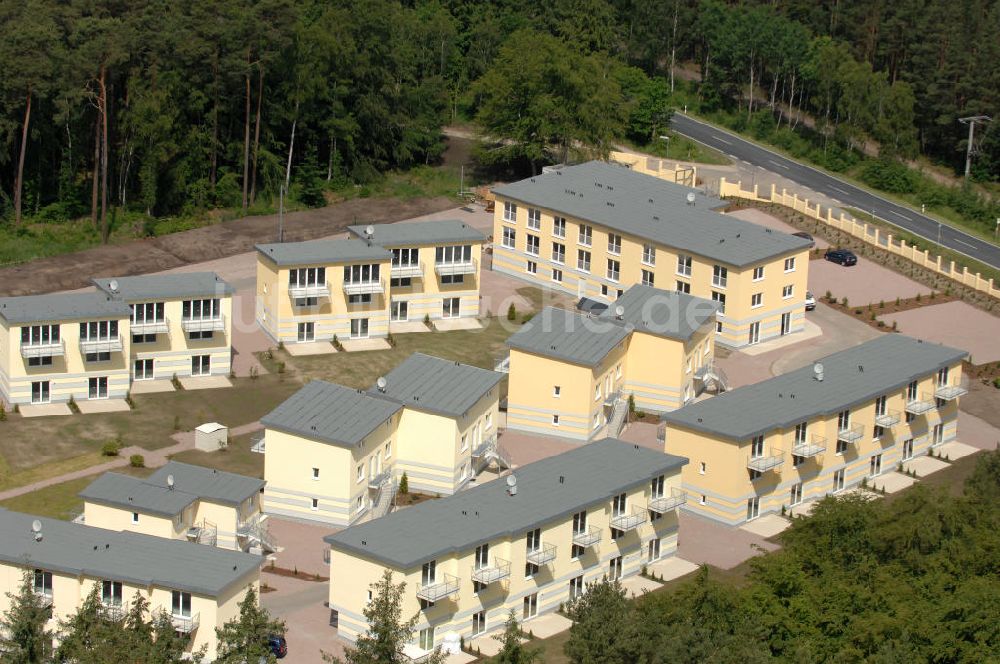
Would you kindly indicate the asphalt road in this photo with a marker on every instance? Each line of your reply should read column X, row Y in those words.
column 848, row 194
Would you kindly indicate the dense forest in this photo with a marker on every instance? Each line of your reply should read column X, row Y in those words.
column 913, row 579
column 166, row 108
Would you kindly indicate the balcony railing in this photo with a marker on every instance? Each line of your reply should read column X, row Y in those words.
column 949, row 392
column 809, row 448
column 106, row 345
column 611, row 398
column 588, row 537
column 543, row 555
column 502, row 365
column 149, row 326
column 408, row 270
column 626, row 522
column 766, row 461
column 920, row 406
column 50, row 349
column 888, row 419
column 664, row 504
column 363, row 287
column 460, row 267
column 45, row 599
column 484, row 448
column 851, row 433
column 186, row 624
column 497, row 570
column 113, row 612
column 378, row 480
column 432, row 592
column 206, row 324
column 296, row 291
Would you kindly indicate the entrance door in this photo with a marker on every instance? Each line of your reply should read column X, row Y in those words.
column 143, row 370
column 786, row 323
column 753, row 508
column 754, row 332
column 875, row 466
column 937, row 437
column 450, row 307
column 201, row 365
column 908, row 449
column 653, row 553
column 399, row 311
column 40, row 391
column 307, row 331
column 97, row 387
column 615, row 568
column 796, row 496
column 359, row 328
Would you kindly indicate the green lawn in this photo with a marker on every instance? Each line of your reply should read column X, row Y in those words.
column 236, row 458
column 58, row 501
column 682, row 148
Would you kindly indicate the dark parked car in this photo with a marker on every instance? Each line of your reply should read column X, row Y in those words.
column 279, row 647
column 806, row 236
column 842, row 256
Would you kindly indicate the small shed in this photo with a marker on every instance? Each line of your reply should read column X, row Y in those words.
column 211, row 436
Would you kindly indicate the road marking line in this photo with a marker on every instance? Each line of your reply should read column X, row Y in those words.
column 843, row 191
column 778, row 164
column 965, row 243
column 900, row 214
column 719, row 138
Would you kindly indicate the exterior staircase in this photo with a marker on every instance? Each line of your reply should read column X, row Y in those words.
column 617, row 419
column 712, row 378
column 204, row 532
column 488, row 452
column 254, row 532
column 385, row 498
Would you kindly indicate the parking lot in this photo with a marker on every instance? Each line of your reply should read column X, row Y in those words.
column 864, row 283
column 955, row 324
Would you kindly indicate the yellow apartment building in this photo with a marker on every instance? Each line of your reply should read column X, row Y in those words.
column 595, row 229
column 181, row 501
column 335, row 454
column 434, row 272
column 179, row 324
column 200, row 587
column 58, row 347
column 571, row 374
column 817, row 430
column 354, row 288
column 526, row 542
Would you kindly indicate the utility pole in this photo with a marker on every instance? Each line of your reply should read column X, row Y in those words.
column 971, row 121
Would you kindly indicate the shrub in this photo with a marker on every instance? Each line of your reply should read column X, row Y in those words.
column 526, row 318
column 137, row 461
column 918, row 297
column 843, row 301
column 129, row 400
column 631, row 403
column 72, row 405
column 391, row 340
column 511, row 312
column 881, row 304
column 176, row 382
column 281, row 367
column 894, row 326
column 996, row 383
column 404, row 484
column 111, row 448
column 177, row 422
column 3, row 413
column 427, row 320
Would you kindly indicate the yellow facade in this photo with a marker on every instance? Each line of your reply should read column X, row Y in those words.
column 529, row 592
column 781, row 289
column 412, row 292
column 68, row 591
column 722, row 486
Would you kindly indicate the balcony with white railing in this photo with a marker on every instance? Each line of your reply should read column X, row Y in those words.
column 851, row 434
column 809, row 448
column 888, row 419
column 921, row 405
column 47, row 349
column 186, row 624
column 668, row 503
column 101, row 345
column 375, row 481
column 456, row 267
column 497, row 569
column 433, row 592
column 631, row 521
column 112, row 612
column 485, row 447
column 161, row 326
column 296, row 291
column 204, row 324
column 766, row 461
column 407, row 270
column 44, row 599
column 951, row 391
column 588, row 537
column 368, row 287
column 544, row 554
column 611, row 398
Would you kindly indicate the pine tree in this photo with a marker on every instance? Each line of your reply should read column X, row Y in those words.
column 512, row 651
column 23, row 637
column 247, row 637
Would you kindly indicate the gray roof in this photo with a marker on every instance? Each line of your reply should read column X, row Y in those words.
column 61, row 306
column 422, row 232
column 152, row 495
column 850, row 377
column 547, row 490
column 165, row 286
column 570, row 336
column 330, row 413
column 319, row 252
column 77, row 549
column 663, row 313
column 654, row 209
column 429, row 383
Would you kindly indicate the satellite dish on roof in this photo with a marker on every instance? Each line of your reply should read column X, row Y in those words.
column 691, row 198
column 511, row 480
column 113, row 285
column 818, row 370
column 170, row 481
column 381, row 383
column 36, row 526
column 369, row 230
column 619, row 311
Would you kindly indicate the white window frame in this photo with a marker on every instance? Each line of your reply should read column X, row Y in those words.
column 684, row 265
column 720, row 276
column 614, row 244
column 790, row 264
column 509, row 239
column 758, row 273
column 614, row 268
column 532, row 244
column 585, row 236
column 648, row 254
column 559, row 227
column 648, row 278
column 534, row 219
column 756, row 300
column 787, row 291
column 510, row 212
column 559, row 253
column 583, row 260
